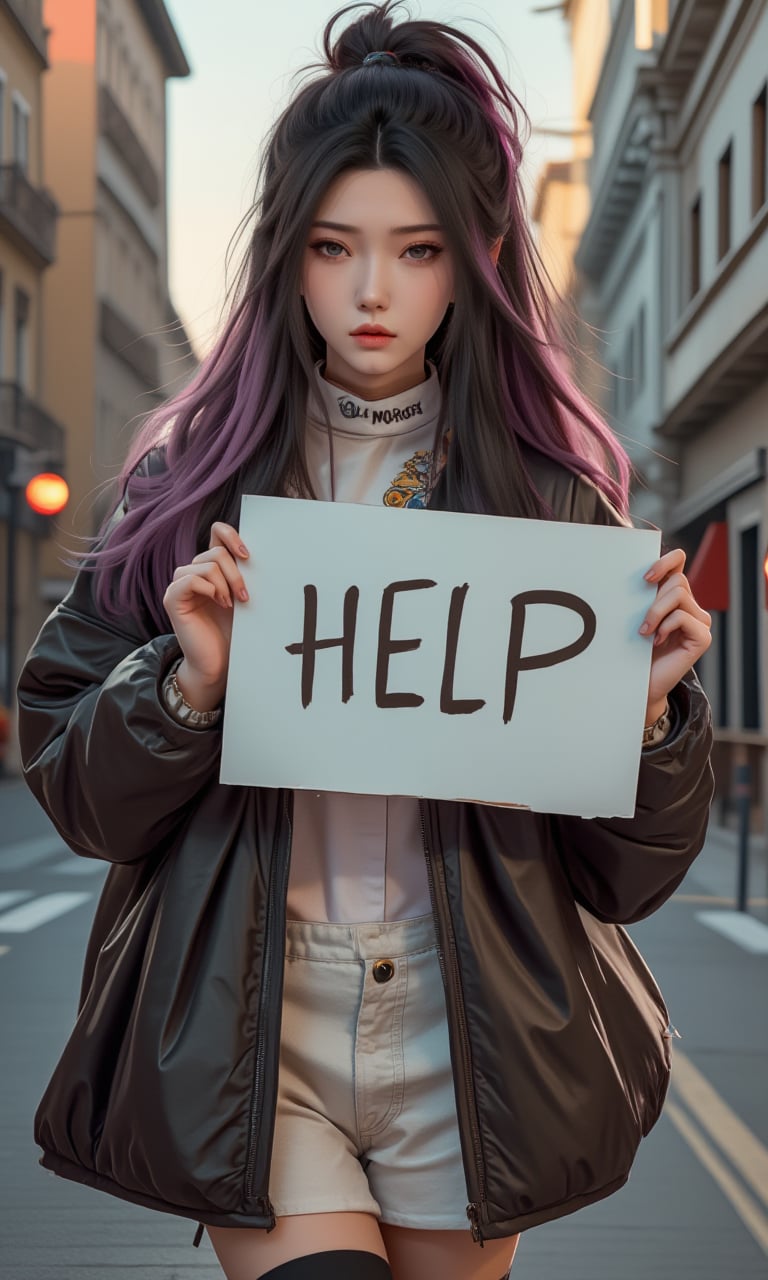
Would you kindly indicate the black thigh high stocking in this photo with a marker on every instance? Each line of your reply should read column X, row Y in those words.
column 334, row 1264
column 337, row 1264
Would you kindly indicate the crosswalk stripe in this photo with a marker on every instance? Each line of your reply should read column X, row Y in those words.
column 743, row 929
column 28, row 853
column 75, row 866
column 9, row 896
column 40, row 911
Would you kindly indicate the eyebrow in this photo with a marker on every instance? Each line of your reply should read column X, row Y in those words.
column 395, row 231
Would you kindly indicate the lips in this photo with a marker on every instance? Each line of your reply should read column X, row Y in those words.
column 373, row 329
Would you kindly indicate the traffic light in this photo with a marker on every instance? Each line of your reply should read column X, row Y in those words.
column 47, row 493
column 36, row 474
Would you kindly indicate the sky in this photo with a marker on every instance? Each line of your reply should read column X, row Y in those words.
column 243, row 54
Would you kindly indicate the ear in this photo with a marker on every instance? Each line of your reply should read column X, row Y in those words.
column 495, row 250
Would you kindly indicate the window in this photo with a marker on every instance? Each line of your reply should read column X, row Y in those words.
column 724, row 202
column 750, row 623
column 2, row 113
column 21, row 336
column 628, row 362
column 695, row 247
column 613, row 399
column 758, row 151
column 640, row 369
column 20, row 132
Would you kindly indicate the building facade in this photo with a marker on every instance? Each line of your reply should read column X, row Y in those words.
column 89, row 339
column 672, row 269
column 116, row 348
column 31, row 432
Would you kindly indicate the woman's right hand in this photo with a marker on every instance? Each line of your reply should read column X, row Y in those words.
column 199, row 603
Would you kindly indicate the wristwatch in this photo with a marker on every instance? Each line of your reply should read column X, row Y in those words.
column 655, row 733
column 177, row 705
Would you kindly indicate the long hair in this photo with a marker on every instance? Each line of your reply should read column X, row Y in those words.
column 443, row 115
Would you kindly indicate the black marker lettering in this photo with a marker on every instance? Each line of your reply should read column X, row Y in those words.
column 516, row 664
column 310, row 644
column 450, row 705
column 388, row 646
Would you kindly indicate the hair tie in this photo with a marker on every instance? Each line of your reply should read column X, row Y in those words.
column 381, row 55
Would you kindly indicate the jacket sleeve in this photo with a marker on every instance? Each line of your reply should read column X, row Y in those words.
column 113, row 770
column 623, row 869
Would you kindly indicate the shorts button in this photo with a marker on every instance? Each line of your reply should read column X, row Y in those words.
column 383, row 970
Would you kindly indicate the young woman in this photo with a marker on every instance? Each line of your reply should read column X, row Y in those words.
column 338, row 1029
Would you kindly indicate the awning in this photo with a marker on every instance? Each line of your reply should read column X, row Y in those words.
column 708, row 573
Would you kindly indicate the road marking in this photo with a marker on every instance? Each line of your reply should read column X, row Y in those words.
column 750, row 1213
column 713, row 898
column 78, row 866
column 744, row 930
column 9, row 896
column 28, row 853
column 745, row 1152
column 40, row 911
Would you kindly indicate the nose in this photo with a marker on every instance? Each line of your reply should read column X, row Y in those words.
column 373, row 283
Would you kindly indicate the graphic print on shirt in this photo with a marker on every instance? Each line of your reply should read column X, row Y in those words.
column 409, row 487
column 349, row 408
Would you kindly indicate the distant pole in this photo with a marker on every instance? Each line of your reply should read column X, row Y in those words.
column 10, row 594
column 743, row 793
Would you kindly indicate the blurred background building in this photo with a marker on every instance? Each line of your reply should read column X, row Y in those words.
column 656, row 226
column 89, row 339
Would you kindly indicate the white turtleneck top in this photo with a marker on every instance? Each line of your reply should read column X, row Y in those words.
column 359, row 858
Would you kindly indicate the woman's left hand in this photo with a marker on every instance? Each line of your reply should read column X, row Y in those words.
column 680, row 629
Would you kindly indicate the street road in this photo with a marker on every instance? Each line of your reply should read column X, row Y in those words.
column 696, row 1204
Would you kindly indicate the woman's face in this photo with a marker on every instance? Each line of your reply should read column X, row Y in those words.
column 376, row 256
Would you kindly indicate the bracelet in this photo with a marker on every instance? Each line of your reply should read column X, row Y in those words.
column 182, row 710
column 657, row 732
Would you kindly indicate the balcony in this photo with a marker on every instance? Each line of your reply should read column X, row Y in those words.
column 717, row 352
column 691, row 27
column 139, row 353
column 28, row 17
column 27, row 215
column 23, row 422
column 115, row 126
column 625, row 177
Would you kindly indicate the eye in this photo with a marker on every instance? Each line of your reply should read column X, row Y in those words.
column 321, row 245
column 424, row 252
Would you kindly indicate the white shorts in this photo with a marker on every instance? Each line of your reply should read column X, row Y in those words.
column 366, row 1114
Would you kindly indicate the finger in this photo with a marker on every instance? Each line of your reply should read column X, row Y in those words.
column 209, row 571
column 224, row 535
column 693, row 630
column 671, row 562
column 192, row 585
column 671, row 597
column 222, row 556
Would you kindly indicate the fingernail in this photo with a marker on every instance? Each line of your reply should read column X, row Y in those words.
column 644, row 629
column 242, row 549
column 243, row 594
column 649, row 576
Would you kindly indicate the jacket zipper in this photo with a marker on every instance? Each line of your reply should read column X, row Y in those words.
column 273, row 893
column 476, row 1210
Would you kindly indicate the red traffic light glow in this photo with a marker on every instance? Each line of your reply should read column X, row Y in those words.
column 47, row 493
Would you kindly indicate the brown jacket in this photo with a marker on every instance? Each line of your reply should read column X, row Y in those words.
column 165, row 1091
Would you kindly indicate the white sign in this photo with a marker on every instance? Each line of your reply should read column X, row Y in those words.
column 412, row 652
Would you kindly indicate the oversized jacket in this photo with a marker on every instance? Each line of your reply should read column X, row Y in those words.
column 165, row 1093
